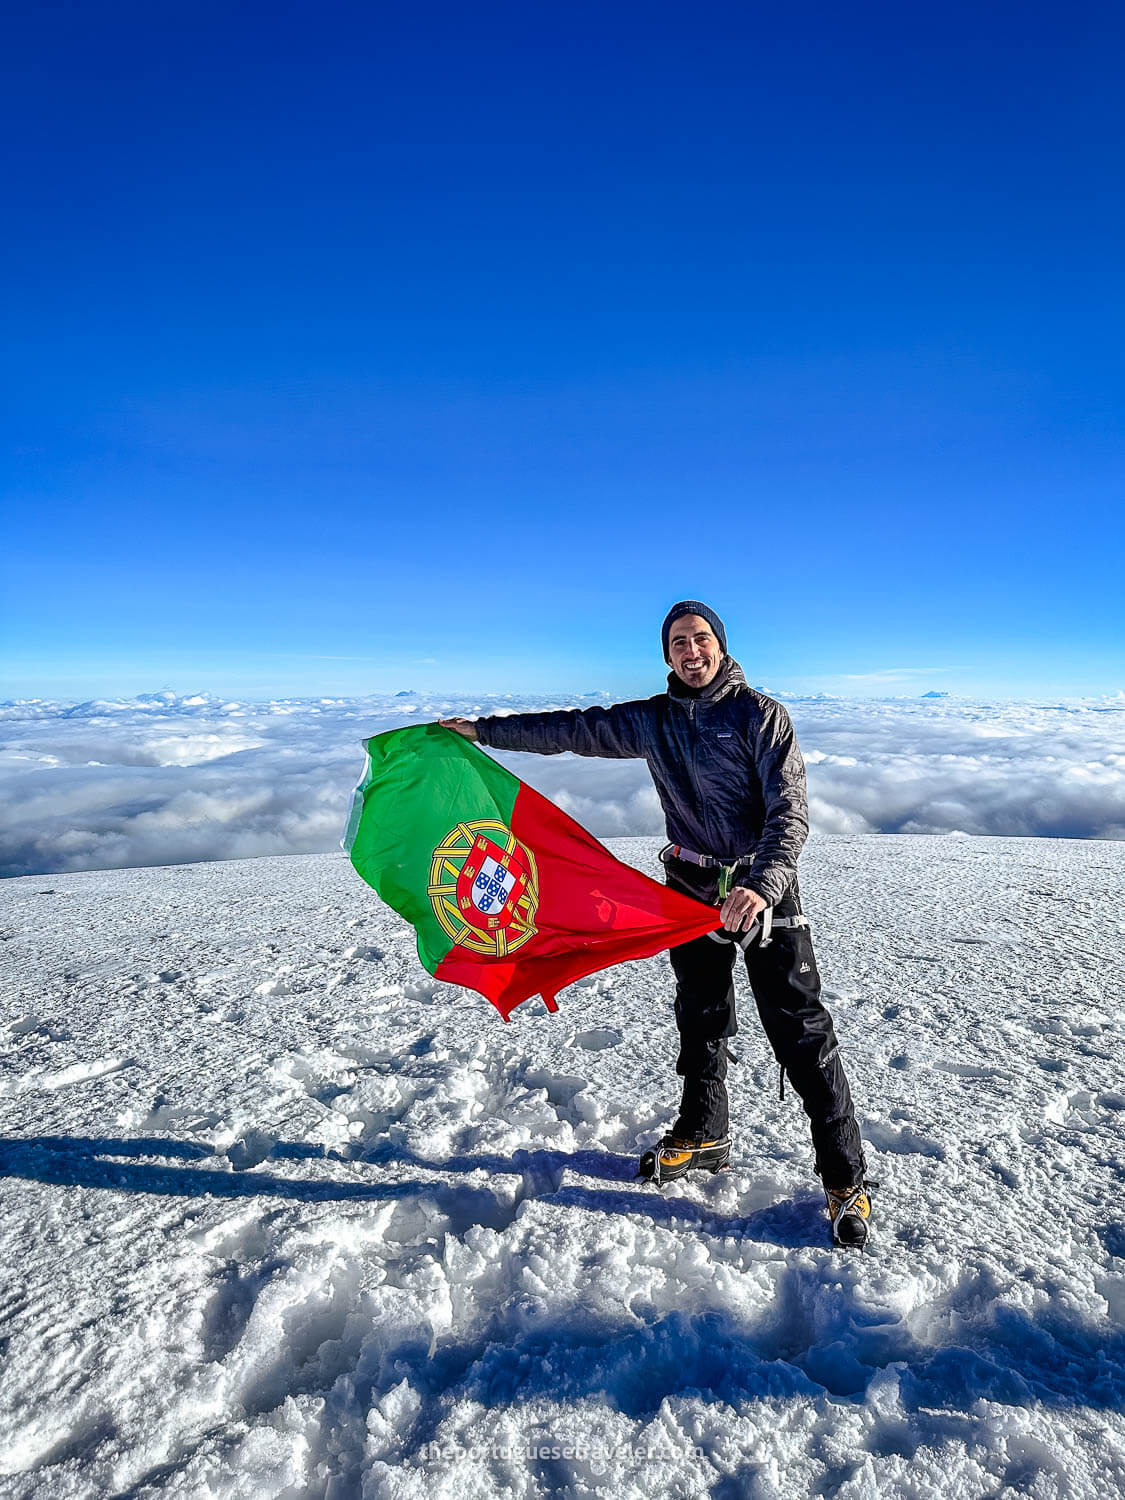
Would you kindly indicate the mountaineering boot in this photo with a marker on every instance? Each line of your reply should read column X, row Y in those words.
column 674, row 1157
column 849, row 1209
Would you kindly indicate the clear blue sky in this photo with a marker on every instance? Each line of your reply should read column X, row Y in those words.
column 356, row 347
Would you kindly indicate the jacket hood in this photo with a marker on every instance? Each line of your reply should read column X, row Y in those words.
column 729, row 676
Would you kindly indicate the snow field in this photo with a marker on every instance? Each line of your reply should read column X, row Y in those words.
column 282, row 1216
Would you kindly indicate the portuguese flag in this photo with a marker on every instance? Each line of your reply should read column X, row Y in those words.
column 507, row 894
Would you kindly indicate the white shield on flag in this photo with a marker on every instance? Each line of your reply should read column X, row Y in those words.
column 492, row 887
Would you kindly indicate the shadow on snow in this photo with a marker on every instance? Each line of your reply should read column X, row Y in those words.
column 814, row 1338
column 120, row 1164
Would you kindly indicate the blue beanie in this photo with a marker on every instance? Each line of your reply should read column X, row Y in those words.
column 692, row 607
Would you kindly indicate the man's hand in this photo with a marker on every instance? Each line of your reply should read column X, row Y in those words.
column 461, row 726
column 740, row 908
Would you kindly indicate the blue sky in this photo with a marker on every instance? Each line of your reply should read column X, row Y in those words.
column 356, row 347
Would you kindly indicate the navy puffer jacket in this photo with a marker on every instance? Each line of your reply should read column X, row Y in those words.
column 724, row 758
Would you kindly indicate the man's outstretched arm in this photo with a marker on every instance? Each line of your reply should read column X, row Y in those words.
column 621, row 731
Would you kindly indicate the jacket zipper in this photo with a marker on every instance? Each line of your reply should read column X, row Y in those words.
column 695, row 776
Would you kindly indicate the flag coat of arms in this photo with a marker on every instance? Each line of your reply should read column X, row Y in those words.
column 508, row 895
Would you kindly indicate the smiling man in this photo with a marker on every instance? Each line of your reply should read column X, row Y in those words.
column 731, row 781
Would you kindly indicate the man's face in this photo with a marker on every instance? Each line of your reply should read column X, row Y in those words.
column 693, row 650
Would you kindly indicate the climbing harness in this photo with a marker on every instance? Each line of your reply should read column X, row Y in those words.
column 762, row 928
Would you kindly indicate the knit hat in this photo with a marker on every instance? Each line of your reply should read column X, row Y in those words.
column 692, row 607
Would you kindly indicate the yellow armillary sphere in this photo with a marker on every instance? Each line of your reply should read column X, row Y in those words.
column 484, row 888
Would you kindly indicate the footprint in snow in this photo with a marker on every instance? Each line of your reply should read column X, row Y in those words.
column 163, row 1114
column 250, row 1149
column 968, row 1070
column 597, row 1040
column 901, row 1140
column 235, row 1291
column 423, row 992
column 559, row 1088
column 278, row 988
column 33, row 1025
column 88, row 1072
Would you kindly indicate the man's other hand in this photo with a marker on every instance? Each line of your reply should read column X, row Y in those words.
column 740, row 908
column 461, row 726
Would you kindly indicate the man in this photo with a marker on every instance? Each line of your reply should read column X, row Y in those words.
column 731, row 782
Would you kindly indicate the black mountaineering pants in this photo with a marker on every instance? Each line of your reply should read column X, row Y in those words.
column 786, row 987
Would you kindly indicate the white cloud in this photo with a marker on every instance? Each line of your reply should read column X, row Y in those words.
column 163, row 780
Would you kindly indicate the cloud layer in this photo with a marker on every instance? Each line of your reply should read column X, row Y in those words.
column 164, row 779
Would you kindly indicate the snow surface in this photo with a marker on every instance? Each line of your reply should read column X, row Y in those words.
column 284, row 1217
